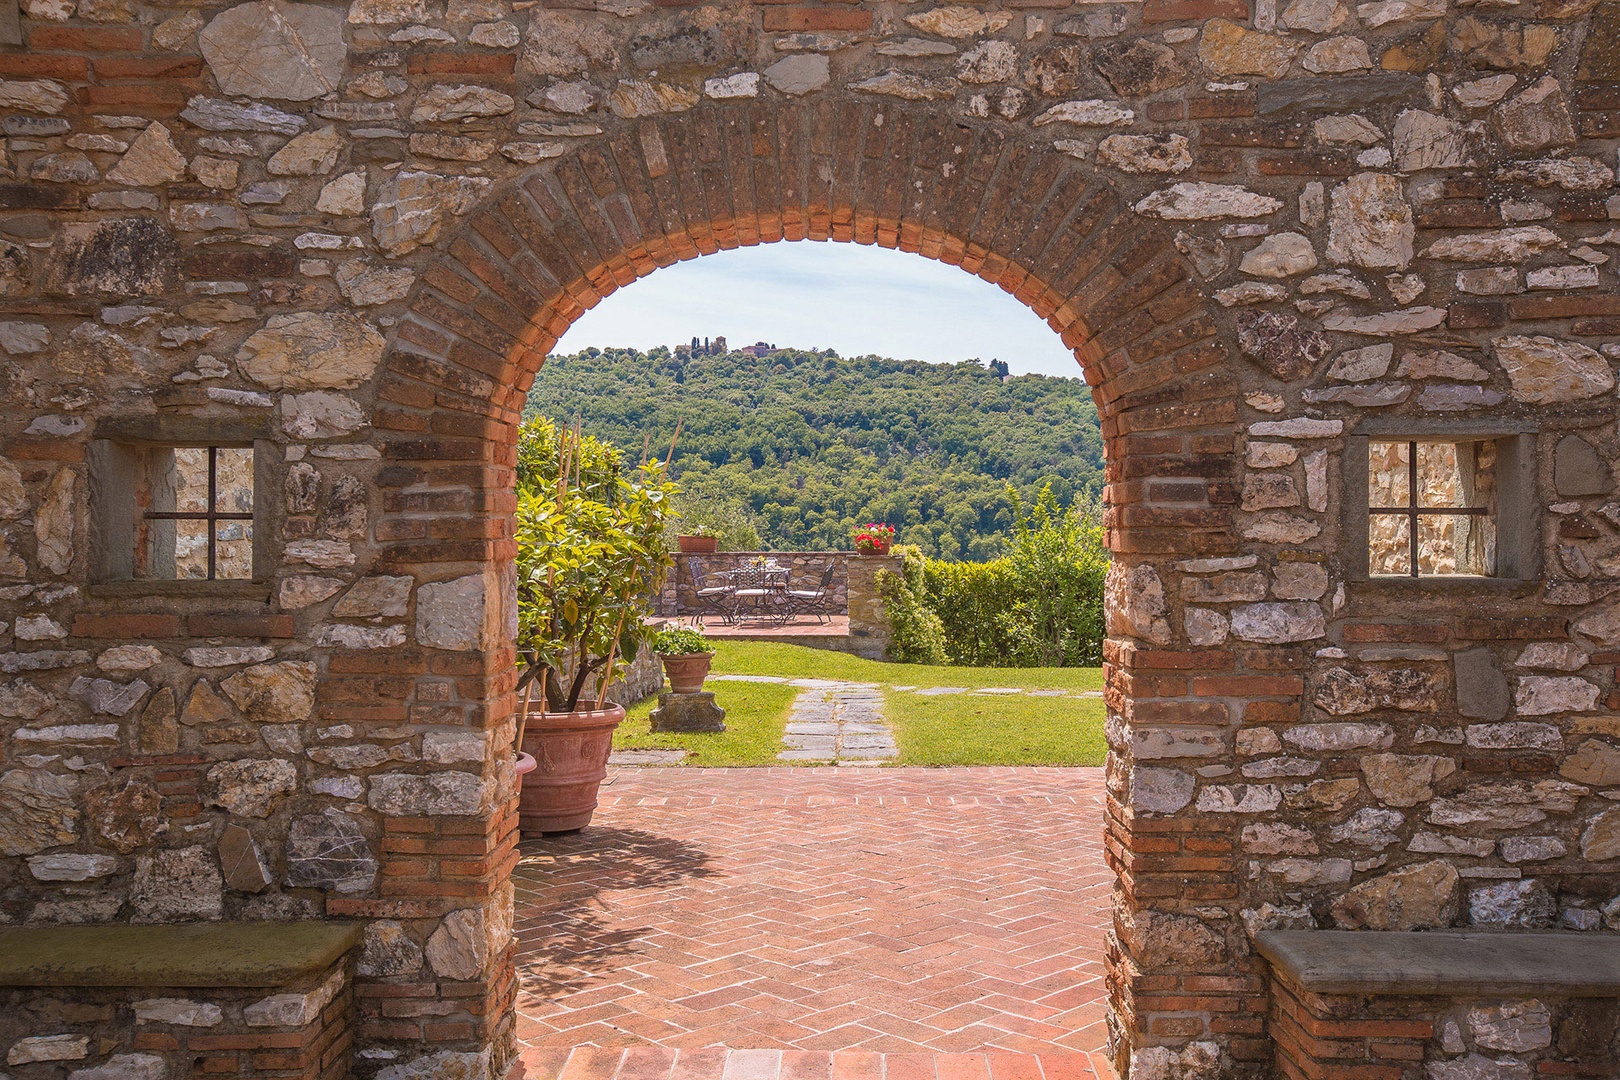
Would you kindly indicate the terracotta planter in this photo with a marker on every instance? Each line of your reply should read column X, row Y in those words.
column 873, row 548
column 570, row 752
column 687, row 671
column 698, row 545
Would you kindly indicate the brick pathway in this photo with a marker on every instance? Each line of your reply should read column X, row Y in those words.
column 925, row 917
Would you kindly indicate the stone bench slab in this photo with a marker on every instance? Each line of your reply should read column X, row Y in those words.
column 194, row 955
column 1445, row 963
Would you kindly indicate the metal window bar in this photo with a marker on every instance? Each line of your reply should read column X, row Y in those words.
column 212, row 515
column 1411, row 511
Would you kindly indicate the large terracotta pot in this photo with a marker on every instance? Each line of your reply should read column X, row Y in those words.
column 571, row 751
column 687, row 671
column 698, row 545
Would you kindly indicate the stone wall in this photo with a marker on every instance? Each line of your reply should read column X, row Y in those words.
column 1413, row 1037
column 303, row 1031
column 350, row 234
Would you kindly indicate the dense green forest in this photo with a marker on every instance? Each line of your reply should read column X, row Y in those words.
column 805, row 445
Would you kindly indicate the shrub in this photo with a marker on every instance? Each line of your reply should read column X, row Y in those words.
column 590, row 551
column 1040, row 605
column 918, row 636
column 678, row 641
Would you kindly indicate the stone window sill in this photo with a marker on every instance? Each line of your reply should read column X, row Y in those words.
column 1448, row 585
column 183, row 590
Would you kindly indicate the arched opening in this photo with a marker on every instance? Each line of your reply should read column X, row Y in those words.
column 818, row 911
column 539, row 253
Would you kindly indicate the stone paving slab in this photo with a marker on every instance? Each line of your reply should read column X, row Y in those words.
column 837, row 722
column 894, row 910
column 646, row 757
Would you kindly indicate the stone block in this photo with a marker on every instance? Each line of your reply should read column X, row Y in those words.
column 688, row 712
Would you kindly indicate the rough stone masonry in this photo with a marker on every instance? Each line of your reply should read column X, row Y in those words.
column 347, row 235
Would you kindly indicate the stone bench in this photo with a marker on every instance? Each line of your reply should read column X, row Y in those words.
column 170, row 1002
column 1442, row 1005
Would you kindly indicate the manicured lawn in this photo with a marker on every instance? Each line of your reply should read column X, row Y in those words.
column 798, row 662
column 969, row 729
column 949, row 729
column 755, row 716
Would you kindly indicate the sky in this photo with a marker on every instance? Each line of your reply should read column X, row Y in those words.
column 849, row 297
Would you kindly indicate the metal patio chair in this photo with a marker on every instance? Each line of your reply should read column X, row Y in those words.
column 817, row 601
column 711, row 592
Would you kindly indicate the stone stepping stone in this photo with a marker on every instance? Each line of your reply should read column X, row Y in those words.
column 902, row 689
column 936, row 691
column 1045, row 693
column 876, row 753
column 1091, row 693
column 839, row 722
column 828, row 743
column 998, row 690
column 646, row 757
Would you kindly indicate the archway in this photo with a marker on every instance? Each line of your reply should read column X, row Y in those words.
column 539, row 252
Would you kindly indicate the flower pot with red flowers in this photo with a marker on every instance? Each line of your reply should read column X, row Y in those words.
column 874, row 539
column 590, row 553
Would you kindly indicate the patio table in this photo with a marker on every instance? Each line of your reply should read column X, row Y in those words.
column 766, row 586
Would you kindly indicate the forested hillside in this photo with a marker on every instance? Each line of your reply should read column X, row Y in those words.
column 810, row 444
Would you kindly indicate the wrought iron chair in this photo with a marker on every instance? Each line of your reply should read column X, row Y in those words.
column 711, row 593
column 815, row 601
column 751, row 587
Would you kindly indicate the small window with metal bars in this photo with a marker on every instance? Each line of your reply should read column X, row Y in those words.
column 1432, row 508
column 197, row 515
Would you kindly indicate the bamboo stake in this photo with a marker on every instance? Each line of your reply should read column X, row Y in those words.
column 523, row 717
column 613, row 650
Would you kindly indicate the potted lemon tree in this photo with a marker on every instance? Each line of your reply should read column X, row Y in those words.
column 686, row 656
column 590, row 556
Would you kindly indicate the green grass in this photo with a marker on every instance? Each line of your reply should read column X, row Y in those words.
column 798, row 662
column 968, row 729
column 756, row 713
column 952, row 729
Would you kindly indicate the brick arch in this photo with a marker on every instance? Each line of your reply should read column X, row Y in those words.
column 538, row 252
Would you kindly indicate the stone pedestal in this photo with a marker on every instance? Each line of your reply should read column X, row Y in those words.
column 688, row 712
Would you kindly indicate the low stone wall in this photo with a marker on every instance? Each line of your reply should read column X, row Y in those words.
column 679, row 594
column 305, row 1031
column 642, row 677
column 1390, row 1037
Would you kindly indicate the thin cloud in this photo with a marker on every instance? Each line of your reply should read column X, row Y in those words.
column 847, row 297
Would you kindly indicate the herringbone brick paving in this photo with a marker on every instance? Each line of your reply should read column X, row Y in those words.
column 925, row 916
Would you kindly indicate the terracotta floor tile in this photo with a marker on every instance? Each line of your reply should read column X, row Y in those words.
column 909, row 1067
column 1013, row 1067
column 704, row 1064
column 857, row 1065
column 962, row 1067
column 806, row 1065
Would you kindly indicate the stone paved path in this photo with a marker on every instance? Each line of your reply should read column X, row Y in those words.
column 838, row 722
column 898, row 911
